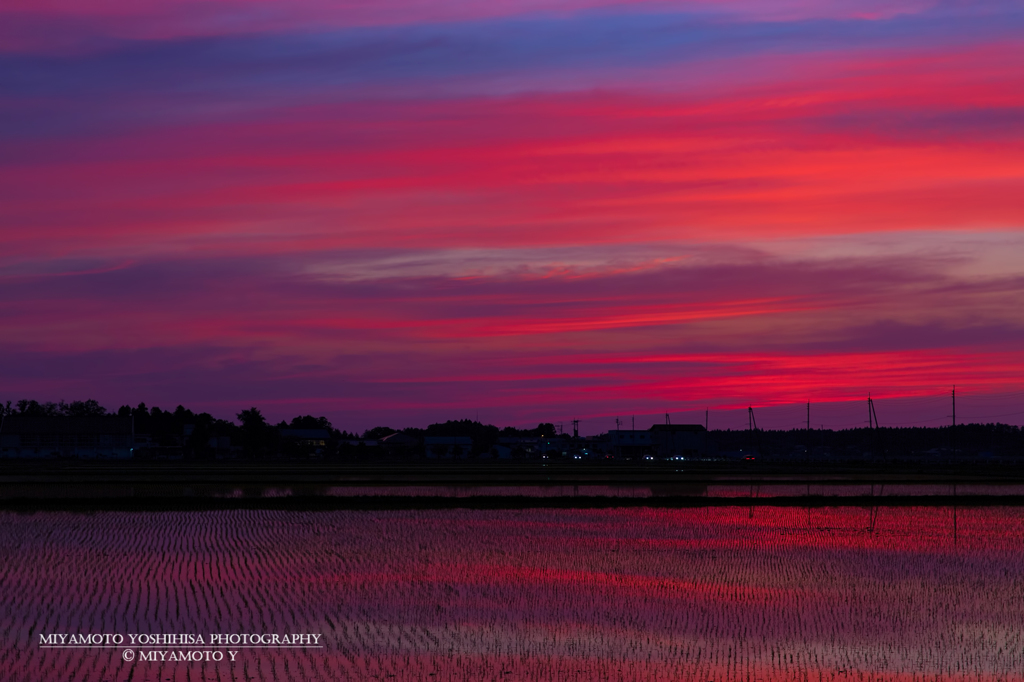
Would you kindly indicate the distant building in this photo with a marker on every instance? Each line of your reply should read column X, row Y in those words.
column 167, row 447
column 305, row 442
column 448, row 447
column 553, row 446
column 85, row 437
column 500, row 452
column 629, row 443
column 662, row 441
column 356, row 442
column 678, row 440
column 314, row 438
column 531, row 446
column 521, row 446
column 399, row 443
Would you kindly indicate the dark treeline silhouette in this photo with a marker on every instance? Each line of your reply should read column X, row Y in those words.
column 182, row 433
column 32, row 408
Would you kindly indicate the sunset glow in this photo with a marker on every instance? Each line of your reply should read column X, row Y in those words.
column 404, row 211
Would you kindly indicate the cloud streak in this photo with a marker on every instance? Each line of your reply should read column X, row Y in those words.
column 525, row 207
column 659, row 334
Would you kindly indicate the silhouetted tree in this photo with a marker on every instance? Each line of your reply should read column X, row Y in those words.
column 204, row 428
column 81, row 408
column 141, row 416
column 311, row 422
column 258, row 438
column 32, row 408
column 484, row 436
column 252, row 419
column 544, row 430
column 378, row 432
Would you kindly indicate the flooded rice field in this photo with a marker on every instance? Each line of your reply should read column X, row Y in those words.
column 718, row 593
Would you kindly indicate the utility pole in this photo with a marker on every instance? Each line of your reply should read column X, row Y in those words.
column 618, row 424
column 705, row 432
column 807, row 451
column 954, row 422
column 753, row 428
column 667, row 420
column 634, row 422
column 873, row 423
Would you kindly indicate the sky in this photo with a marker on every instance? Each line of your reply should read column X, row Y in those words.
column 396, row 212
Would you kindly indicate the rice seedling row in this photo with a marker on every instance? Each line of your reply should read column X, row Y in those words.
column 719, row 593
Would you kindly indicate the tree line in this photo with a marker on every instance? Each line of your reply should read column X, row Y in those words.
column 198, row 434
column 201, row 435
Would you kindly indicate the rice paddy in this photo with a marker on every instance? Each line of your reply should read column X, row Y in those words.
column 722, row 593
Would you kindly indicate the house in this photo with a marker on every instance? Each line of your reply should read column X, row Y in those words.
column 517, row 446
column 305, row 441
column 105, row 437
column 500, row 451
column 629, row 443
column 314, row 438
column 399, row 443
column 530, row 446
